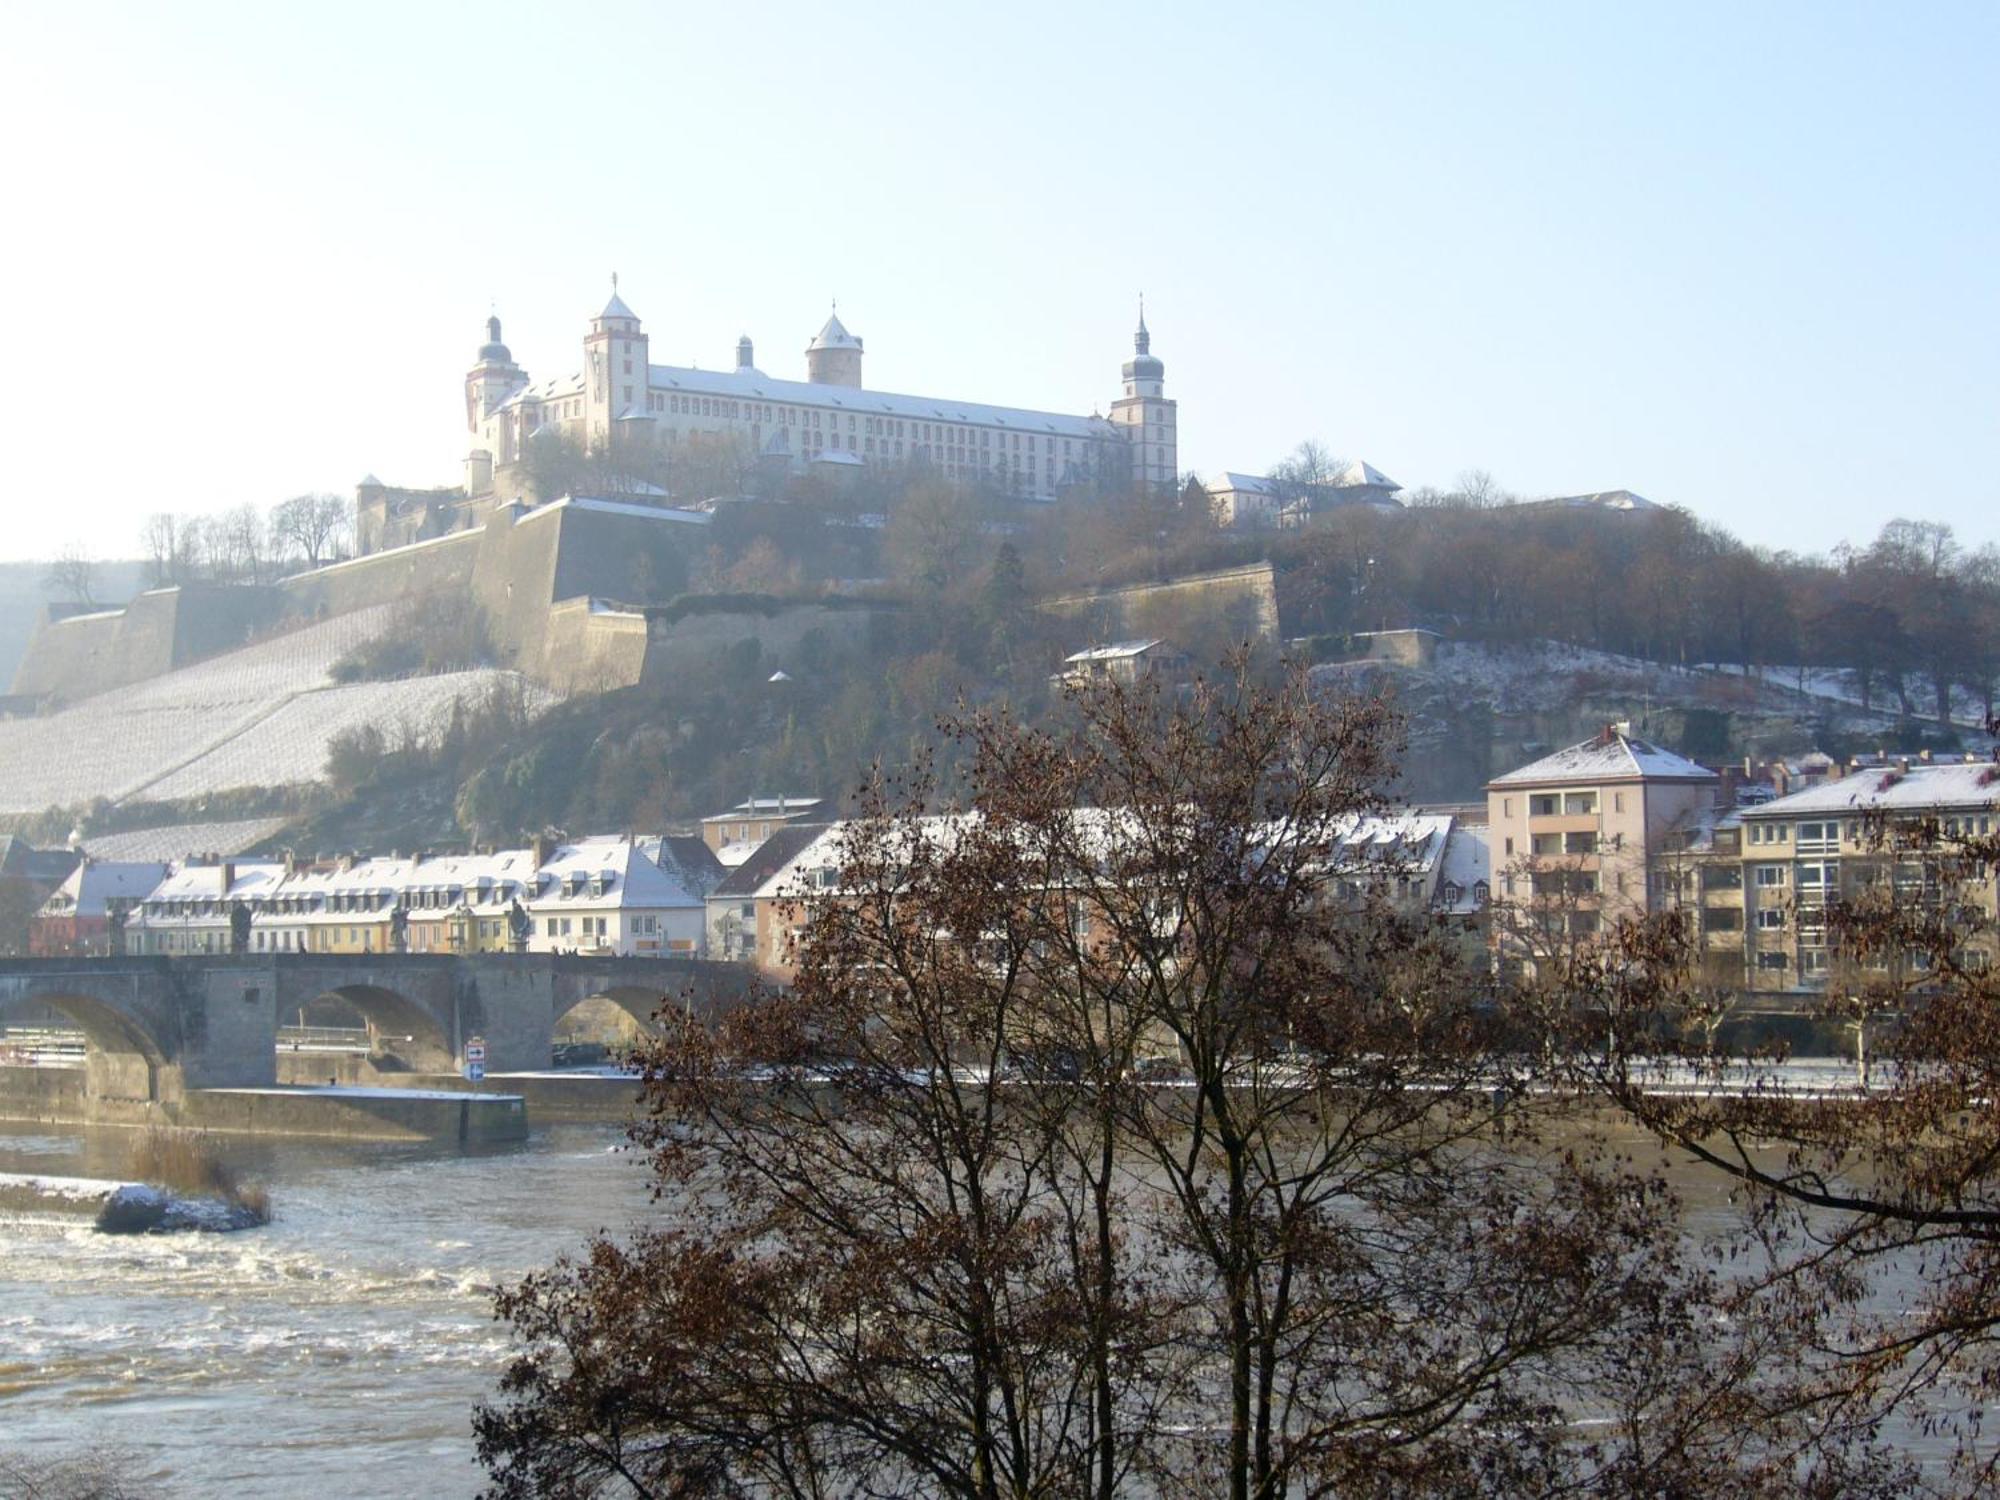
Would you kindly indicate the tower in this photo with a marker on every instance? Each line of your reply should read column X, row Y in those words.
column 834, row 356
column 616, row 370
column 1145, row 413
column 492, row 380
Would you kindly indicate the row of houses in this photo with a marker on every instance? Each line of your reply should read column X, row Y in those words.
column 1616, row 828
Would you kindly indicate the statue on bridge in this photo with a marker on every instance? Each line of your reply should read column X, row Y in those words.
column 519, row 926
column 399, row 929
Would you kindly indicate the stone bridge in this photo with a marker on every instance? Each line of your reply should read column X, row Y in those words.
column 157, row 1027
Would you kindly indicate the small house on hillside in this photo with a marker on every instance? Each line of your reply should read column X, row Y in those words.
column 1122, row 661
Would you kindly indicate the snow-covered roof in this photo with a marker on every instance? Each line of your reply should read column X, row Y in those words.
column 1923, row 787
column 833, row 335
column 623, row 872
column 1116, row 651
column 754, row 385
column 1607, row 757
column 1360, row 473
column 759, row 807
column 1600, row 500
column 1249, row 484
column 95, row 882
column 1468, row 860
column 616, row 308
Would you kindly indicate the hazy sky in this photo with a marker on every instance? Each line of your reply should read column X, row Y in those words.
column 1737, row 258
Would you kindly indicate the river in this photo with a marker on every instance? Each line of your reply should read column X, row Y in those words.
column 339, row 1350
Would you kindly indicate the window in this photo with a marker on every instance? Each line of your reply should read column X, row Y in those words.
column 1510, row 848
column 1546, row 843
column 1544, row 807
column 1578, row 803
column 1722, row 919
column 1770, row 918
column 1770, row 875
column 1770, row 960
column 1618, row 802
column 1579, row 843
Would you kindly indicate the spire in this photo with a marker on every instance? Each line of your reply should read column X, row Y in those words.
column 1142, row 341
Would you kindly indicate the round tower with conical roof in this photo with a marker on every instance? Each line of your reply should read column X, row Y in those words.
column 1145, row 414
column 834, row 355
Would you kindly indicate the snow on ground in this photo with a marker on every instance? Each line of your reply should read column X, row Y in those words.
column 179, row 840
column 261, row 716
column 1840, row 685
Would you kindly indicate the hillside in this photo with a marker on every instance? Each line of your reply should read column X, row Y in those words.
column 259, row 718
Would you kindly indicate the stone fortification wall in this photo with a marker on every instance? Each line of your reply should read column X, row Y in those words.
column 1241, row 602
column 445, row 563
column 590, row 647
column 517, row 567
column 74, row 656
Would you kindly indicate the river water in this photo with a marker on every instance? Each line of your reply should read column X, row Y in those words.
column 337, row 1351
column 341, row 1349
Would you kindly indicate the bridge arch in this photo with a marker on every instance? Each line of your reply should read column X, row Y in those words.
column 403, row 1031
column 122, row 1059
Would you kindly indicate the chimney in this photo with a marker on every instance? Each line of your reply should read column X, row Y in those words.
column 540, row 848
column 227, row 869
column 291, row 864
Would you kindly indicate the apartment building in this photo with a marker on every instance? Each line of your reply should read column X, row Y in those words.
column 1576, row 837
column 1763, row 878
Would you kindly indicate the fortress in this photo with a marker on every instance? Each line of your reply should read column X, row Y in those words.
column 573, row 585
column 641, row 418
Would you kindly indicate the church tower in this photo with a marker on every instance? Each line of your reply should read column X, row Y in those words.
column 1146, row 415
column 834, row 356
column 492, row 380
column 616, row 370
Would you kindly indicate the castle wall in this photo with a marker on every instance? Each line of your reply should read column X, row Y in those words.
column 588, row 648
column 78, row 655
column 443, row 563
column 1242, row 601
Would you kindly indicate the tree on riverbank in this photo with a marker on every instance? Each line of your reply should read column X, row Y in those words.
column 1877, row 1212
column 1095, row 1150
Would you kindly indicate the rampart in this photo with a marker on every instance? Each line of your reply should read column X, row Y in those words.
column 75, row 655
column 1242, row 602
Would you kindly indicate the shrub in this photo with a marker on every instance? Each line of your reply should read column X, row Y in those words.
column 186, row 1161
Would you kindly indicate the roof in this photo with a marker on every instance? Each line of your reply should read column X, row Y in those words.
column 95, row 883
column 833, row 335
column 769, row 857
column 1250, row 484
column 754, row 385
column 761, row 807
column 688, row 858
column 616, row 308
column 1600, row 500
column 628, row 874
column 1607, row 757
column 1116, row 651
column 1923, row 787
column 1360, row 473
column 1468, row 860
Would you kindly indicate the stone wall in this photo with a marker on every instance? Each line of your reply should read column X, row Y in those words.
column 1241, row 603
column 75, row 655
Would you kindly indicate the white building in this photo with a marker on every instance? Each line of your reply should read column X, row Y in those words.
column 604, row 895
column 1257, row 500
column 829, row 419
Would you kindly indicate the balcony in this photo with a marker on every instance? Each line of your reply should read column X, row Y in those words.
column 1562, row 823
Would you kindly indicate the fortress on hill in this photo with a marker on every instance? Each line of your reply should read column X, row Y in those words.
column 619, row 404
column 574, row 588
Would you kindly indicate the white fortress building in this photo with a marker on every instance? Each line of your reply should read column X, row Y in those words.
column 619, row 400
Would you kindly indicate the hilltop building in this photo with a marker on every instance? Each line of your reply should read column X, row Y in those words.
column 1255, row 501
column 619, row 400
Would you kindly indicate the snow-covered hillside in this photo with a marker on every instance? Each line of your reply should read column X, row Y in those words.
column 262, row 716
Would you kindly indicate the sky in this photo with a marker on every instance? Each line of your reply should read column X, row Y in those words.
column 1740, row 259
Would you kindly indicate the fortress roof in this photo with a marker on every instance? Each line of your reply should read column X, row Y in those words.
column 754, row 385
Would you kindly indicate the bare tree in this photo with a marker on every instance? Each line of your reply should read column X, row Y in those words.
column 311, row 526
column 1099, row 1148
column 71, row 574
